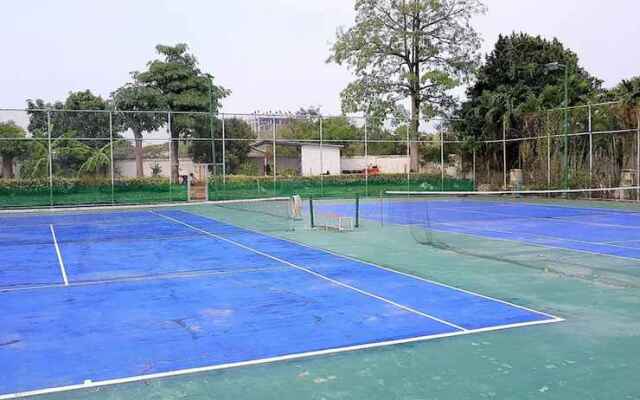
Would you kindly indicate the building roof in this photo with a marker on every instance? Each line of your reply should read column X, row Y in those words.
column 294, row 143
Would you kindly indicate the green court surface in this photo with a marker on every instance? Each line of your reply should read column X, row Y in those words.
column 593, row 354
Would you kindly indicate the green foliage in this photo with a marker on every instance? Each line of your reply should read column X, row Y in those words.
column 628, row 91
column 516, row 79
column 236, row 151
column 182, row 87
column 417, row 50
column 66, row 119
column 11, row 146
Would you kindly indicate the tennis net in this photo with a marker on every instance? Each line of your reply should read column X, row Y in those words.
column 588, row 233
column 118, row 223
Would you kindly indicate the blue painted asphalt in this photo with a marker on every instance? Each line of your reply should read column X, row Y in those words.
column 600, row 231
column 261, row 297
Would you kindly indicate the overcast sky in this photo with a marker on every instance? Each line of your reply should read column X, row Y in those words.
column 270, row 53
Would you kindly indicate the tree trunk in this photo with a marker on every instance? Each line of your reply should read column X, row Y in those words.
column 139, row 152
column 414, row 165
column 7, row 168
column 173, row 148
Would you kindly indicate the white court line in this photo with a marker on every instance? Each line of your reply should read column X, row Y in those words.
column 553, row 317
column 288, row 357
column 532, row 218
column 541, row 236
column 62, row 269
column 139, row 278
column 527, row 243
column 335, row 282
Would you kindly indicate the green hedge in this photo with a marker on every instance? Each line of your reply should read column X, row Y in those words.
column 335, row 185
column 65, row 191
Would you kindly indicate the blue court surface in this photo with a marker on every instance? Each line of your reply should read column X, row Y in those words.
column 98, row 299
column 594, row 230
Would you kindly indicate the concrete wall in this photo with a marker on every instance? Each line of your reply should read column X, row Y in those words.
column 386, row 164
column 318, row 160
column 127, row 168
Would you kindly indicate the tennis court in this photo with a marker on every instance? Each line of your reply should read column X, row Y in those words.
column 103, row 298
column 603, row 229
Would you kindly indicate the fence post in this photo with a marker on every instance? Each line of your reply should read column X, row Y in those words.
column 638, row 155
column 113, row 178
column 547, row 127
column 170, row 156
column 275, row 157
column 408, row 157
column 441, row 159
column 366, row 155
column 504, row 153
column 590, row 123
column 321, row 156
column 224, row 150
column 50, row 151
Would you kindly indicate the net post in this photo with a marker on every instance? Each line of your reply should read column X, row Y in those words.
column 357, row 221
column 311, row 213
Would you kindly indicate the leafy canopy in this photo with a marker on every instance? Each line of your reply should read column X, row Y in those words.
column 407, row 49
column 517, row 78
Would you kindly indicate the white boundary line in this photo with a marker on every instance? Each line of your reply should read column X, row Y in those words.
column 140, row 278
column 522, row 242
column 553, row 317
column 96, row 384
column 62, row 269
column 535, row 235
column 288, row 357
column 124, row 207
column 317, row 275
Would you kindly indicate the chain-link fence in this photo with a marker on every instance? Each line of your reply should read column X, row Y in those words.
column 69, row 157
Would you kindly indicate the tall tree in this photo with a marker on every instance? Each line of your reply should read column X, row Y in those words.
column 515, row 79
column 184, row 87
column 237, row 148
column 415, row 50
column 82, row 114
column 12, row 146
column 137, row 101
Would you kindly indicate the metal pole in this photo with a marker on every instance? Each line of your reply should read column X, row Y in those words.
column 321, row 156
column 442, row 160
column 224, row 150
column 366, row 156
column 170, row 157
column 275, row 179
column 566, row 126
column 548, row 129
column 213, row 142
column 50, row 158
column 590, row 123
column 408, row 157
column 113, row 177
column 504, row 153
column 638, row 156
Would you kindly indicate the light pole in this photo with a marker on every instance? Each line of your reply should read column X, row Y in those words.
column 554, row 67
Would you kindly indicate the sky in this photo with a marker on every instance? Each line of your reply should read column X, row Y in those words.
column 270, row 54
